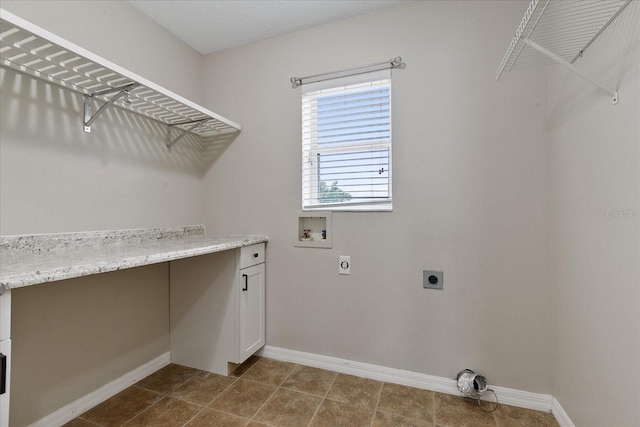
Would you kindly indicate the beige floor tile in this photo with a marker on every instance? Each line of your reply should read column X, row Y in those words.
column 168, row 412
column 310, row 380
column 355, row 391
column 510, row 416
column 122, row 407
column 409, row 402
column 336, row 414
column 243, row 398
column 453, row 411
column 385, row 419
column 211, row 417
column 288, row 408
column 269, row 371
column 177, row 394
column 167, row 379
column 202, row 388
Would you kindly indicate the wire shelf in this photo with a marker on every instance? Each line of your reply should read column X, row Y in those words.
column 565, row 27
column 31, row 50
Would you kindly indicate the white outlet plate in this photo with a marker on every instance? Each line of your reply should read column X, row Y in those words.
column 344, row 265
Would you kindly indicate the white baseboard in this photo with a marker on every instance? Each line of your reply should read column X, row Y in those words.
column 74, row 409
column 561, row 417
column 508, row 396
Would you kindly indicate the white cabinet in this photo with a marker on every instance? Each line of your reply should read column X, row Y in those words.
column 5, row 356
column 251, row 303
column 217, row 308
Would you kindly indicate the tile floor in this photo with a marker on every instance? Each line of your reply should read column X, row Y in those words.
column 264, row 392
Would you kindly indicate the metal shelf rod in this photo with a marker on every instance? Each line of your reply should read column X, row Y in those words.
column 391, row 63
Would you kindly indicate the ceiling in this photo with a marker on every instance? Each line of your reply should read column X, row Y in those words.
column 213, row 25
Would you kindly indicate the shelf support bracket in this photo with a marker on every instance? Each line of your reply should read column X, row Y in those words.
column 570, row 66
column 171, row 142
column 89, row 118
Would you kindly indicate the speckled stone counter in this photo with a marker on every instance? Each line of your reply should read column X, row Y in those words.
column 41, row 258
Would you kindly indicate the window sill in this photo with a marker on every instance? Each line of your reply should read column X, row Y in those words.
column 374, row 208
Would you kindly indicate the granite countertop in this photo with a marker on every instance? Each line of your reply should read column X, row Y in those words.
column 34, row 259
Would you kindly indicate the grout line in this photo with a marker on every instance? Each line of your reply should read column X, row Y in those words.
column 235, row 380
column 326, row 393
column 194, row 415
column 250, row 367
column 335, row 377
column 143, row 388
column 304, row 392
column 182, row 383
column 434, row 407
column 222, row 411
column 295, row 365
column 145, row 410
column 315, row 412
column 169, row 395
column 375, row 409
column 263, row 405
column 309, row 393
column 160, row 395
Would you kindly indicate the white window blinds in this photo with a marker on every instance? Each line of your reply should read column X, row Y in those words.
column 346, row 143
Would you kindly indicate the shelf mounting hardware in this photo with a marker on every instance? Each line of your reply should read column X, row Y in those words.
column 194, row 124
column 89, row 118
column 560, row 31
column 33, row 51
column 570, row 66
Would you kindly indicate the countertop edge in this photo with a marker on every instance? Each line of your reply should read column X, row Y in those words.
column 52, row 242
column 71, row 270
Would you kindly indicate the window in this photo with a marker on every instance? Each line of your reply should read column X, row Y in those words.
column 346, row 143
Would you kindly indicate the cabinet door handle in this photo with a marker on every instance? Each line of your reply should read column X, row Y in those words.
column 3, row 373
column 246, row 282
column 255, row 255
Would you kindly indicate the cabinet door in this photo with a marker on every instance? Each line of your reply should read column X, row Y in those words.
column 5, row 350
column 251, row 314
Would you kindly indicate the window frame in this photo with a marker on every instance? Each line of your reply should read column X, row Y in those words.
column 311, row 148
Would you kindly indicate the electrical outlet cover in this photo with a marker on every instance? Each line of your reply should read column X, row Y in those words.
column 432, row 279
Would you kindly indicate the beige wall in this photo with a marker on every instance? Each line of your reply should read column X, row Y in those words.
column 56, row 178
column 53, row 176
column 489, row 177
column 470, row 192
column 595, row 164
column 73, row 336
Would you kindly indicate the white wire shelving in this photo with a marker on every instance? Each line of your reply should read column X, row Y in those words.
column 32, row 50
column 560, row 31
